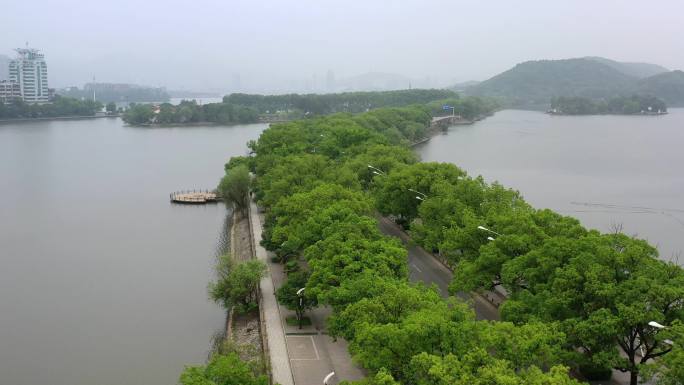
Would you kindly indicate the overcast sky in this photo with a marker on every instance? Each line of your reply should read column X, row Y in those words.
column 274, row 46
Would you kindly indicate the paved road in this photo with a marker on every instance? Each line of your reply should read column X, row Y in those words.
column 424, row 267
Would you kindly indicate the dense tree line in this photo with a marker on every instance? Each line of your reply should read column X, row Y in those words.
column 352, row 102
column 626, row 105
column 469, row 107
column 578, row 299
column 125, row 93
column 189, row 112
column 59, row 107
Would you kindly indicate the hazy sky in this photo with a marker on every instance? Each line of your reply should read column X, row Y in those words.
column 281, row 45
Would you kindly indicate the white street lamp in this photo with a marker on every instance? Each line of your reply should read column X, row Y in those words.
column 418, row 192
column 490, row 238
column 299, row 294
column 486, row 229
column 656, row 325
column 328, row 377
column 376, row 170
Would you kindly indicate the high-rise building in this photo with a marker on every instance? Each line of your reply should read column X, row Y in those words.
column 9, row 91
column 4, row 67
column 30, row 72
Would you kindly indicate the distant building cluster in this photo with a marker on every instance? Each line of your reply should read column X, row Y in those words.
column 28, row 78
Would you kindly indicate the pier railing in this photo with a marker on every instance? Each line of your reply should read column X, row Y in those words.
column 194, row 196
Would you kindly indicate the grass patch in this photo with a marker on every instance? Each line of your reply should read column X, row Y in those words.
column 292, row 321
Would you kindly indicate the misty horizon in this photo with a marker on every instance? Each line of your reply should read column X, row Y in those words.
column 270, row 47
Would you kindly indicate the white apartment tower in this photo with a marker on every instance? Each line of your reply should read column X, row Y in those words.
column 30, row 72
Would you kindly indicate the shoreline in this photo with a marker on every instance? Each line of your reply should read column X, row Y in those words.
column 80, row 117
column 437, row 129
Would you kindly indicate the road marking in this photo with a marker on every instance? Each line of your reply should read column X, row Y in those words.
column 416, row 267
column 313, row 344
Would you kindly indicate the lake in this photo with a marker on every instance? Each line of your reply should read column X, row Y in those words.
column 604, row 170
column 103, row 280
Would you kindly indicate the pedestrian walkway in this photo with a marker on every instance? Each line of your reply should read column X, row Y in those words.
column 298, row 356
column 313, row 353
column 281, row 372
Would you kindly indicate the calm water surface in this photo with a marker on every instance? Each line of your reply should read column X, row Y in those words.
column 603, row 170
column 102, row 280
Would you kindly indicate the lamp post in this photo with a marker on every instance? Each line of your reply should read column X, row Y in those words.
column 486, row 229
column 300, row 309
column 376, row 170
column 328, row 377
column 658, row 327
column 423, row 196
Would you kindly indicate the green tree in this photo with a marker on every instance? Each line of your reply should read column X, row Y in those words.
column 111, row 107
column 395, row 194
column 477, row 367
column 618, row 287
column 222, row 370
column 234, row 187
column 299, row 303
column 139, row 114
column 391, row 302
column 237, row 283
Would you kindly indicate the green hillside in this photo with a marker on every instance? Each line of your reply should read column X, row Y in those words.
column 532, row 84
column 668, row 86
column 638, row 70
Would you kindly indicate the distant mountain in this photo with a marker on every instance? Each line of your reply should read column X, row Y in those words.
column 668, row 86
column 638, row 70
column 460, row 87
column 533, row 84
column 186, row 94
column 373, row 81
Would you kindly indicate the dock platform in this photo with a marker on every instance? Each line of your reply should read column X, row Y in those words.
column 194, row 196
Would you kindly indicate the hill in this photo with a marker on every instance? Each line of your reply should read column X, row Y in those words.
column 532, row 84
column 668, row 86
column 638, row 70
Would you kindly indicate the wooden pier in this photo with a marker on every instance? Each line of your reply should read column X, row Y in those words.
column 194, row 196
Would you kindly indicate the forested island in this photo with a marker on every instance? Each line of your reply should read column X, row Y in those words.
column 353, row 102
column 189, row 112
column 624, row 105
column 322, row 183
column 60, row 107
column 247, row 108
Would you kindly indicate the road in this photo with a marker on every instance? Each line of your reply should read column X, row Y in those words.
column 426, row 268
